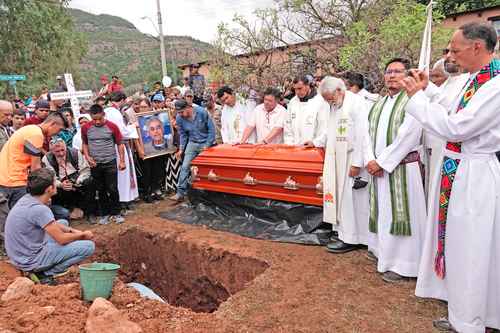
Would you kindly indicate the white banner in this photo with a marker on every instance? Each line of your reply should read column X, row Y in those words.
column 424, row 61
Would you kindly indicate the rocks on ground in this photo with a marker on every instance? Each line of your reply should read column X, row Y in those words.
column 21, row 287
column 103, row 317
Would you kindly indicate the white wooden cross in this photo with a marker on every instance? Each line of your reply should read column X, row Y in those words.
column 72, row 95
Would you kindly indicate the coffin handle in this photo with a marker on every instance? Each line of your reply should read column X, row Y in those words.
column 290, row 184
column 212, row 176
column 194, row 173
column 319, row 186
column 249, row 180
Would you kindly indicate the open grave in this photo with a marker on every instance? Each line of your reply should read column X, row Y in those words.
column 184, row 274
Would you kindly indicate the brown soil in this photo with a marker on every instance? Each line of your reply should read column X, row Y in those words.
column 222, row 282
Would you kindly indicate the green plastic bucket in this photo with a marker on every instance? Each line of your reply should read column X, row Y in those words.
column 96, row 280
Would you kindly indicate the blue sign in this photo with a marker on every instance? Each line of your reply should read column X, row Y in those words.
column 12, row 77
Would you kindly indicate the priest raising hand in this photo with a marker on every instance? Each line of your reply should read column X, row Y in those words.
column 418, row 80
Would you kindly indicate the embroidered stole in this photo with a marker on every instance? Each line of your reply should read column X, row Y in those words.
column 397, row 179
column 450, row 165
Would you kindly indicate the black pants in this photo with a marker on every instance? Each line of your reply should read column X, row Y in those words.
column 105, row 178
column 153, row 174
column 82, row 197
column 13, row 194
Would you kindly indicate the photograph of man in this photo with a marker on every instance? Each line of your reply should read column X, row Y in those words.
column 156, row 132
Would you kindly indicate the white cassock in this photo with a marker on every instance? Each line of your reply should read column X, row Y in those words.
column 445, row 95
column 305, row 121
column 369, row 97
column 344, row 139
column 234, row 120
column 472, row 251
column 127, row 179
column 399, row 254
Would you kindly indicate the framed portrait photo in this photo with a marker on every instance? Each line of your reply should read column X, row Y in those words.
column 156, row 133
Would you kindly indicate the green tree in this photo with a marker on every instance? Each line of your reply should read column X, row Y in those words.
column 379, row 37
column 39, row 40
column 448, row 7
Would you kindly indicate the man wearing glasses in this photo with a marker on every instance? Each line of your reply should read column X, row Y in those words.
column 397, row 200
column 268, row 120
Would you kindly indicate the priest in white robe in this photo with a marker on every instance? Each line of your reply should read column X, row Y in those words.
column 461, row 253
column 307, row 114
column 345, row 190
column 356, row 84
column 236, row 115
column 127, row 179
column 397, row 199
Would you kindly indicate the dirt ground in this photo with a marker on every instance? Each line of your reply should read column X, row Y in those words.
column 261, row 286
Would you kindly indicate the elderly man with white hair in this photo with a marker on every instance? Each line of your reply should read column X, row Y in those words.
column 345, row 193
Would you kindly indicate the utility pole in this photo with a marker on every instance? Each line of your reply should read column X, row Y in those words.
column 162, row 43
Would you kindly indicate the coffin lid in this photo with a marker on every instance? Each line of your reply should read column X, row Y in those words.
column 276, row 157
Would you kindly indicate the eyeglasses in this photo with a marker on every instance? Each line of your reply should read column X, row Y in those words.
column 395, row 71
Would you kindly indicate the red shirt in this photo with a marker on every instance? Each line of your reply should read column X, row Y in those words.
column 33, row 121
column 115, row 87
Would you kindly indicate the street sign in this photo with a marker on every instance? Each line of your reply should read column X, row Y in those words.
column 12, row 77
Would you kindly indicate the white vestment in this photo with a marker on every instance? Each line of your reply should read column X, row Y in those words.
column 305, row 121
column 472, row 244
column 234, row 120
column 399, row 254
column 445, row 95
column 369, row 97
column 127, row 179
column 344, row 138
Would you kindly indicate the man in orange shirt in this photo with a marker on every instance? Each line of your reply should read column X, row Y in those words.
column 22, row 154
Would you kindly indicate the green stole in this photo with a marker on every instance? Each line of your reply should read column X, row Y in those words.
column 397, row 179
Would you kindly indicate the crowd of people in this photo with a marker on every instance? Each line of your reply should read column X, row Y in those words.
column 410, row 173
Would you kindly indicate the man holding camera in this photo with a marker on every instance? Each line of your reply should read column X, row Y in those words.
column 72, row 178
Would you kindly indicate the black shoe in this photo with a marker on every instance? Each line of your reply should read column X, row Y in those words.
column 156, row 197
column 148, row 199
column 338, row 246
column 42, row 279
column 392, row 277
column 443, row 325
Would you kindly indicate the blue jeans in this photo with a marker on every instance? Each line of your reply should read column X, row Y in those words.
column 192, row 150
column 55, row 258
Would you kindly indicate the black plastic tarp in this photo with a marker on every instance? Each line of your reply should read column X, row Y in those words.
column 253, row 217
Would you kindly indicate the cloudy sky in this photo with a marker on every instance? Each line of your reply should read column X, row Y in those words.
column 196, row 18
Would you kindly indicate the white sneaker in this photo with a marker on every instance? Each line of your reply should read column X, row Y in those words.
column 104, row 220
column 118, row 219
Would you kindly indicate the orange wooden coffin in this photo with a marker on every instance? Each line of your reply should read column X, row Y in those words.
column 276, row 172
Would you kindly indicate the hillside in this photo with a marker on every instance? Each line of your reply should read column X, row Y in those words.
column 117, row 47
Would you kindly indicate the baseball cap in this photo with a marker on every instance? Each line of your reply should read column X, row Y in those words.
column 158, row 98
column 188, row 93
column 59, row 77
column 180, row 104
column 42, row 104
